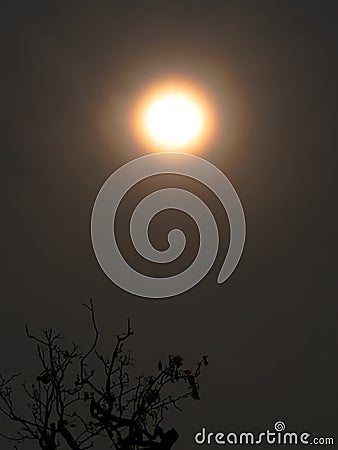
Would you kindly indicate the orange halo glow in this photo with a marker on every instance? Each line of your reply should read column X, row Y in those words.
column 173, row 115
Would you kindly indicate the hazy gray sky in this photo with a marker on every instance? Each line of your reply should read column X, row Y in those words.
column 70, row 71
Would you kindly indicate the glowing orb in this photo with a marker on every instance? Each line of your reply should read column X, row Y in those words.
column 174, row 119
column 173, row 116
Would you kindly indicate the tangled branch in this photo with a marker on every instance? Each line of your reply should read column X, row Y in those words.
column 68, row 404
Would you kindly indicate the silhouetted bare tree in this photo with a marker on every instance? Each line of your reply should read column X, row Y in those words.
column 72, row 404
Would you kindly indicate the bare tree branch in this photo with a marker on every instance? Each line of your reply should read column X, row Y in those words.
column 68, row 404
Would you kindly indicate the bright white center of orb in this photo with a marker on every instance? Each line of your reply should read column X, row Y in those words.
column 174, row 120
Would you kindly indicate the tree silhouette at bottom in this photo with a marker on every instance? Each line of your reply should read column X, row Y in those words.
column 81, row 399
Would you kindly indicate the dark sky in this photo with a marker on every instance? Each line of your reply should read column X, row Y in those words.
column 69, row 73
